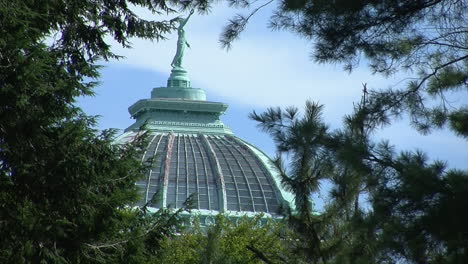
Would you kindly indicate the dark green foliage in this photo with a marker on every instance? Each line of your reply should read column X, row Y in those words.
column 317, row 156
column 65, row 189
column 245, row 240
column 425, row 39
column 381, row 207
column 303, row 140
column 459, row 121
column 419, row 210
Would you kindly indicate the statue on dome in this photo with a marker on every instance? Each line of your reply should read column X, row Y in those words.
column 181, row 41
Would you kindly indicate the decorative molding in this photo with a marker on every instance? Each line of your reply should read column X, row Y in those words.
column 216, row 167
column 167, row 164
column 185, row 124
column 144, row 105
column 148, row 179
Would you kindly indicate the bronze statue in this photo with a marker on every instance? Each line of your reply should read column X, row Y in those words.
column 181, row 42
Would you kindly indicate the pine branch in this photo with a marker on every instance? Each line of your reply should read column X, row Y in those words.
column 259, row 254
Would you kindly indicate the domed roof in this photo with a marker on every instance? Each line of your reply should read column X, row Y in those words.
column 194, row 153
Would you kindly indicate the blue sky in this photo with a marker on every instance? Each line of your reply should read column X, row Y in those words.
column 263, row 69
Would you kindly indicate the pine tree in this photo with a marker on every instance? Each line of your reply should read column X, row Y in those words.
column 381, row 207
column 66, row 191
column 426, row 40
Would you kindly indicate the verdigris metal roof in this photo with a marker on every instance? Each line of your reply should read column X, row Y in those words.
column 192, row 152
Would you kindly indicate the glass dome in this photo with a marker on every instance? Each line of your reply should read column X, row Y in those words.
column 194, row 153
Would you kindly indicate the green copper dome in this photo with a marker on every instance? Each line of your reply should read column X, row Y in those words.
column 195, row 153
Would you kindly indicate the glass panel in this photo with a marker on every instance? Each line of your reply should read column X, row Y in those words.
column 245, row 200
column 260, row 208
column 192, row 180
column 212, row 181
column 257, row 169
column 203, row 191
column 233, row 207
column 271, row 201
column 181, row 180
column 259, row 201
column 243, row 163
column 230, row 186
column 240, row 180
column 180, row 204
column 231, row 192
column 273, row 208
column 256, row 193
column 244, row 193
column 170, row 199
column 228, row 180
column 171, row 190
column 252, row 181
column 242, row 186
column 153, row 178
column 234, row 166
column 247, row 207
column 264, row 181
column 203, row 205
column 238, row 173
column 214, row 205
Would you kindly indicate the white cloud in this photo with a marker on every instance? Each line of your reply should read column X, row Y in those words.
column 263, row 68
column 267, row 68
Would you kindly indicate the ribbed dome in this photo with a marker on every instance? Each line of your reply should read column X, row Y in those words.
column 223, row 173
column 194, row 153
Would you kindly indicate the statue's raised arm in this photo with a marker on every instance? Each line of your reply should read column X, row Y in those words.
column 184, row 21
column 181, row 41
